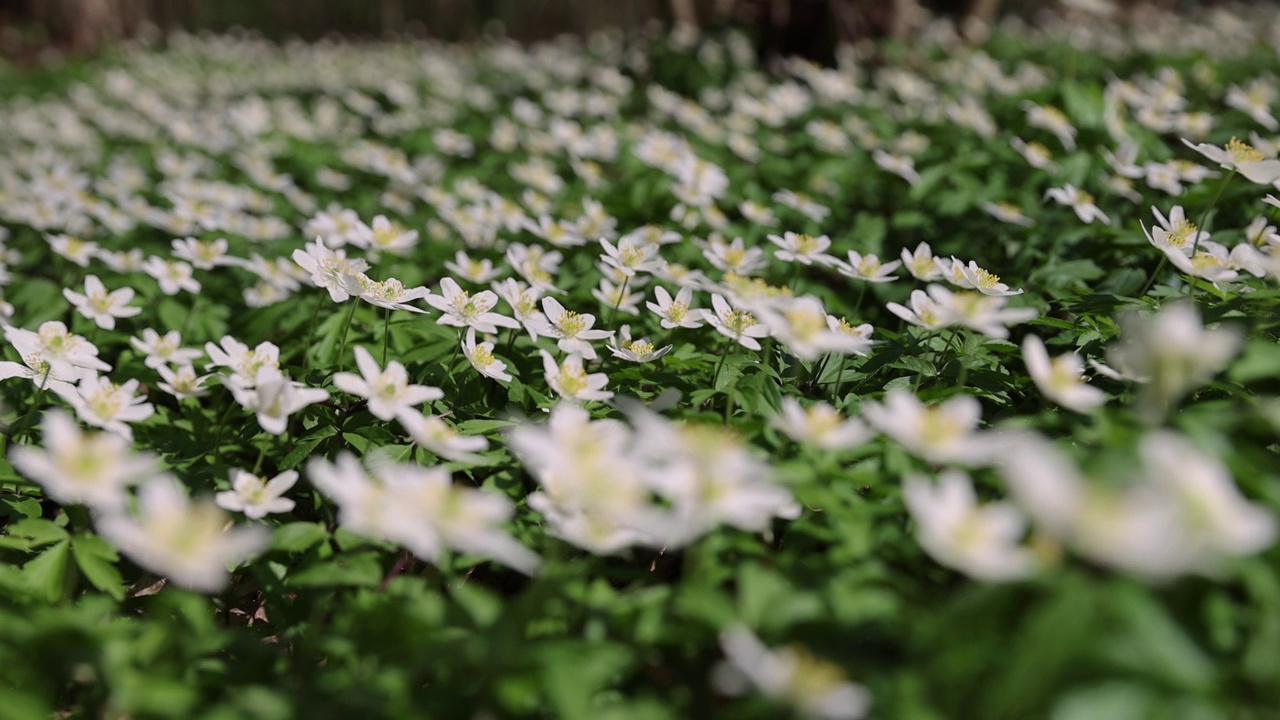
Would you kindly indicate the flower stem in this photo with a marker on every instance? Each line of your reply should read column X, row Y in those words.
column 622, row 295
column 311, row 331
column 1164, row 259
column 1204, row 217
column 386, row 333
column 342, row 346
column 839, row 381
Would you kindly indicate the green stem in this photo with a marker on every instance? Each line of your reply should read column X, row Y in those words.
column 386, row 333
column 862, row 293
column 839, row 382
column 622, row 295
column 222, row 423
column 1204, row 217
column 1164, row 259
column 715, row 375
column 342, row 346
column 186, row 322
column 311, row 331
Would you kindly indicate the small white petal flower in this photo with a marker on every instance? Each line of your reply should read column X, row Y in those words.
column 255, row 496
column 1061, row 379
column 100, row 306
column 388, row 391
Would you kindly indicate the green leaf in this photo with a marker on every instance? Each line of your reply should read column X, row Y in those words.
column 1261, row 360
column 32, row 533
column 97, row 561
column 361, row 569
column 575, row 671
column 298, row 536
column 48, row 572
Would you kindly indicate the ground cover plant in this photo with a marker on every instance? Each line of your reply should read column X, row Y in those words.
column 628, row 378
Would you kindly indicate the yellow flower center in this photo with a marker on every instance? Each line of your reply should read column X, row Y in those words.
column 677, row 311
column 571, row 323
column 1243, row 152
column 987, row 280
column 482, row 357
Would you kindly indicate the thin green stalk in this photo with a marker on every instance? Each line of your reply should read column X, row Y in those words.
column 386, row 333
column 622, row 295
column 862, row 293
column 1164, row 260
column 191, row 311
column 342, row 346
column 1204, row 217
column 311, row 331
column 839, row 381
column 222, row 424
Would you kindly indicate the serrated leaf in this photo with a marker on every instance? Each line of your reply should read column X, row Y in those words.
column 96, row 560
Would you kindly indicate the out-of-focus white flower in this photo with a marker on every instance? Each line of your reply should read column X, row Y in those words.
column 182, row 540
column 100, row 306
column 820, row 425
column 476, row 271
column 1079, row 201
column 102, row 403
column 868, row 268
column 441, row 438
column 804, row 249
column 920, row 263
column 981, row 541
column 815, row 687
column 941, row 433
column 1173, row 351
column 255, row 496
column 1052, row 119
column 1005, row 213
column 273, row 398
column 1061, row 379
column 245, row 364
column 163, row 349
column 86, row 468
column 183, row 382
column 924, row 311
column 984, row 313
column 901, row 165
column 733, row 257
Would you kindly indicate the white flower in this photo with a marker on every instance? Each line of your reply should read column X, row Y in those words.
column 174, row 276
column 203, row 255
column 1080, row 201
column 733, row 257
column 482, row 358
column 390, row 293
column 1173, row 351
column 1036, row 155
column 1211, row 262
column 983, row 313
column 1061, row 379
column 901, row 165
column 1255, row 101
column 1174, row 232
column 74, row 467
column 981, row 541
column 273, row 398
column 677, row 312
column 523, row 301
column 57, row 377
column 804, row 249
column 869, row 268
column 820, row 425
column 163, row 350
column 388, row 236
column 255, row 496
column 328, row 268
column 1217, row 522
column 924, row 311
column 1052, row 119
column 571, row 381
column 183, row 382
column 100, row 306
column 739, row 325
column 476, row 271
column 102, row 403
column 462, row 309
column 1006, row 213
column 180, row 539
column 816, row 687
column 639, row 351
column 631, row 256
column 438, row 436
column 388, row 391
column 921, row 263
column 986, row 282
column 70, row 355
column 245, row 364
column 804, row 327
column 73, row 248
column 612, row 296
column 572, row 330
column 1242, row 158
column 941, row 433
